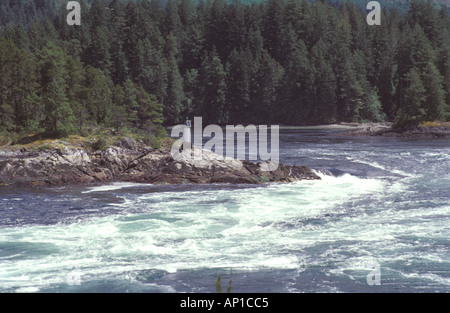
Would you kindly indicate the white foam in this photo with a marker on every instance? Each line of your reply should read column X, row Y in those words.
column 428, row 276
column 241, row 229
column 381, row 167
column 31, row 289
column 114, row 186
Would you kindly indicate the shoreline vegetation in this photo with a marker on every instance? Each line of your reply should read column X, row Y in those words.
column 434, row 129
column 107, row 156
column 148, row 64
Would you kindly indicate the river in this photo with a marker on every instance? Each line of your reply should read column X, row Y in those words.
column 380, row 223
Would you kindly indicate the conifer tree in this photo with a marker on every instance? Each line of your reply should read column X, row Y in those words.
column 435, row 106
column 269, row 75
column 212, row 94
column 412, row 111
column 98, row 96
column 119, row 117
column 323, row 108
column 174, row 100
column 58, row 119
column 76, row 92
column 285, row 61
column 238, row 86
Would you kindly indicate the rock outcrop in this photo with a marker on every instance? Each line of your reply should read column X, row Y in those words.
column 368, row 129
column 129, row 161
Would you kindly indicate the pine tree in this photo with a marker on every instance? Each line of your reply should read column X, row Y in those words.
column 191, row 37
column 297, row 84
column 174, row 100
column 274, row 28
column 18, row 86
column 119, row 62
column 37, row 36
column 191, row 87
column 98, row 96
column 97, row 54
column 412, row 111
column 129, row 103
column 76, row 92
column 6, row 72
column 130, row 40
column 385, row 46
column 187, row 12
column 99, row 13
column 323, row 105
column 58, row 117
column 434, row 106
column 150, row 114
column 444, row 69
column 212, row 93
column 238, row 86
column 269, row 75
column 215, row 24
column 171, row 20
column 118, row 111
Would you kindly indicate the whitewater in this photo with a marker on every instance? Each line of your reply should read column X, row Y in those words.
column 381, row 202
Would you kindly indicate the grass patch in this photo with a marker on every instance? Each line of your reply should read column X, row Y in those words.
column 431, row 124
column 92, row 139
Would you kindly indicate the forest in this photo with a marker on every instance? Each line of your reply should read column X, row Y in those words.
column 147, row 64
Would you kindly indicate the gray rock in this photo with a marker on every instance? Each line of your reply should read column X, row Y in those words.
column 73, row 165
column 127, row 143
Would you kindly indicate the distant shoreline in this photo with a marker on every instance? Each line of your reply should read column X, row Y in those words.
column 385, row 129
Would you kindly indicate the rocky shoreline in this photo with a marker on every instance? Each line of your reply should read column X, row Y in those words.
column 386, row 130
column 128, row 161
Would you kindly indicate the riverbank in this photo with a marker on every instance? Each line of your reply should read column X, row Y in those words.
column 61, row 162
column 386, row 129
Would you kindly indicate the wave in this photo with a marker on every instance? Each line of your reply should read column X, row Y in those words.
column 384, row 168
column 114, row 186
column 342, row 224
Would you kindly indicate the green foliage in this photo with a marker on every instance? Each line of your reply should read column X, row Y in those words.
column 212, row 90
column 174, row 101
column 97, row 95
column 58, row 119
column 412, row 111
column 141, row 64
column 219, row 285
column 435, row 106
column 99, row 144
column 373, row 110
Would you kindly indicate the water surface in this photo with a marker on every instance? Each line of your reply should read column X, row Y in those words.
column 386, row 205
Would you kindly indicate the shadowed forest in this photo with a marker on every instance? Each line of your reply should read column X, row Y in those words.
column 145, row 64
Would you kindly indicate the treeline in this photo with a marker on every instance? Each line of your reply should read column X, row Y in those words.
column 24, row 12
column 46, row 87
column 280, row 61
column 50, row 91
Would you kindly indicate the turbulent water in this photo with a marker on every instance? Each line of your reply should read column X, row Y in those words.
column 380, row 223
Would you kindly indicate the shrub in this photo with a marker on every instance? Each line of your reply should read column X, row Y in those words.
column 99, row 144
column 5, row 139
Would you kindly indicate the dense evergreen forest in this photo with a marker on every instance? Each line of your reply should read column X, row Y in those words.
column 141, row 64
